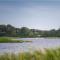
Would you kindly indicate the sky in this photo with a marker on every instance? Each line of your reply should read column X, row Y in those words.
column 35, row 14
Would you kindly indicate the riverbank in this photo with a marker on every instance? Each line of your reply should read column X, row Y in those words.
column 50, row 54
column 21, row 40
column 11, row 40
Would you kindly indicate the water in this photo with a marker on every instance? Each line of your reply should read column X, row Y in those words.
column 37, row 43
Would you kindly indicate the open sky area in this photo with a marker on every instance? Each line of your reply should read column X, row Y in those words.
column 36, row 14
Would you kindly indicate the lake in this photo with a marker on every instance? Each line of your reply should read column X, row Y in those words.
column 36, row 44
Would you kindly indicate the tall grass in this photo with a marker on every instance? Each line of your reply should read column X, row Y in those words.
column 50, row 54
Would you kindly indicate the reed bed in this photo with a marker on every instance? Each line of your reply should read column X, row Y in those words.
column 50, row 54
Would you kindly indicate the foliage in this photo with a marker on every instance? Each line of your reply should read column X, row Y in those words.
column 9, row 30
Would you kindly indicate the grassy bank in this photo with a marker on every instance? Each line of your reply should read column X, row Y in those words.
column 10, row 40
column 49, row 54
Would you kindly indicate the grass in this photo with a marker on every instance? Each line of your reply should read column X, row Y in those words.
column 10, row 40
column 50, row 54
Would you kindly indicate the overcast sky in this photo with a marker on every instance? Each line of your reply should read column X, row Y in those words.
column 36, row 14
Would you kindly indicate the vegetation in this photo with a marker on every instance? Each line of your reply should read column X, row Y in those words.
column 10, row 40
column 11, row 31
column 50, row 54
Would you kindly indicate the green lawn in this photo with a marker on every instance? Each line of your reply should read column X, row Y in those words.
column 10, row 40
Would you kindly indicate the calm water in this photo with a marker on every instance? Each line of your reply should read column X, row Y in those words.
column 37, row 43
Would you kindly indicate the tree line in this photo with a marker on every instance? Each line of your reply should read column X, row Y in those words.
column 11, row 31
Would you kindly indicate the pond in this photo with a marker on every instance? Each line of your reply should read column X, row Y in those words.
column 37, row 43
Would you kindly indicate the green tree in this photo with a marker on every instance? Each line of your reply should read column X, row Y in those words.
column 24, row 32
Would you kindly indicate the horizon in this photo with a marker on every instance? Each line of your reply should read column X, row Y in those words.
column 34, row 14
column 31, row 28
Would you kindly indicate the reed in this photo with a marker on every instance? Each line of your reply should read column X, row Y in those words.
column 50, row 54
